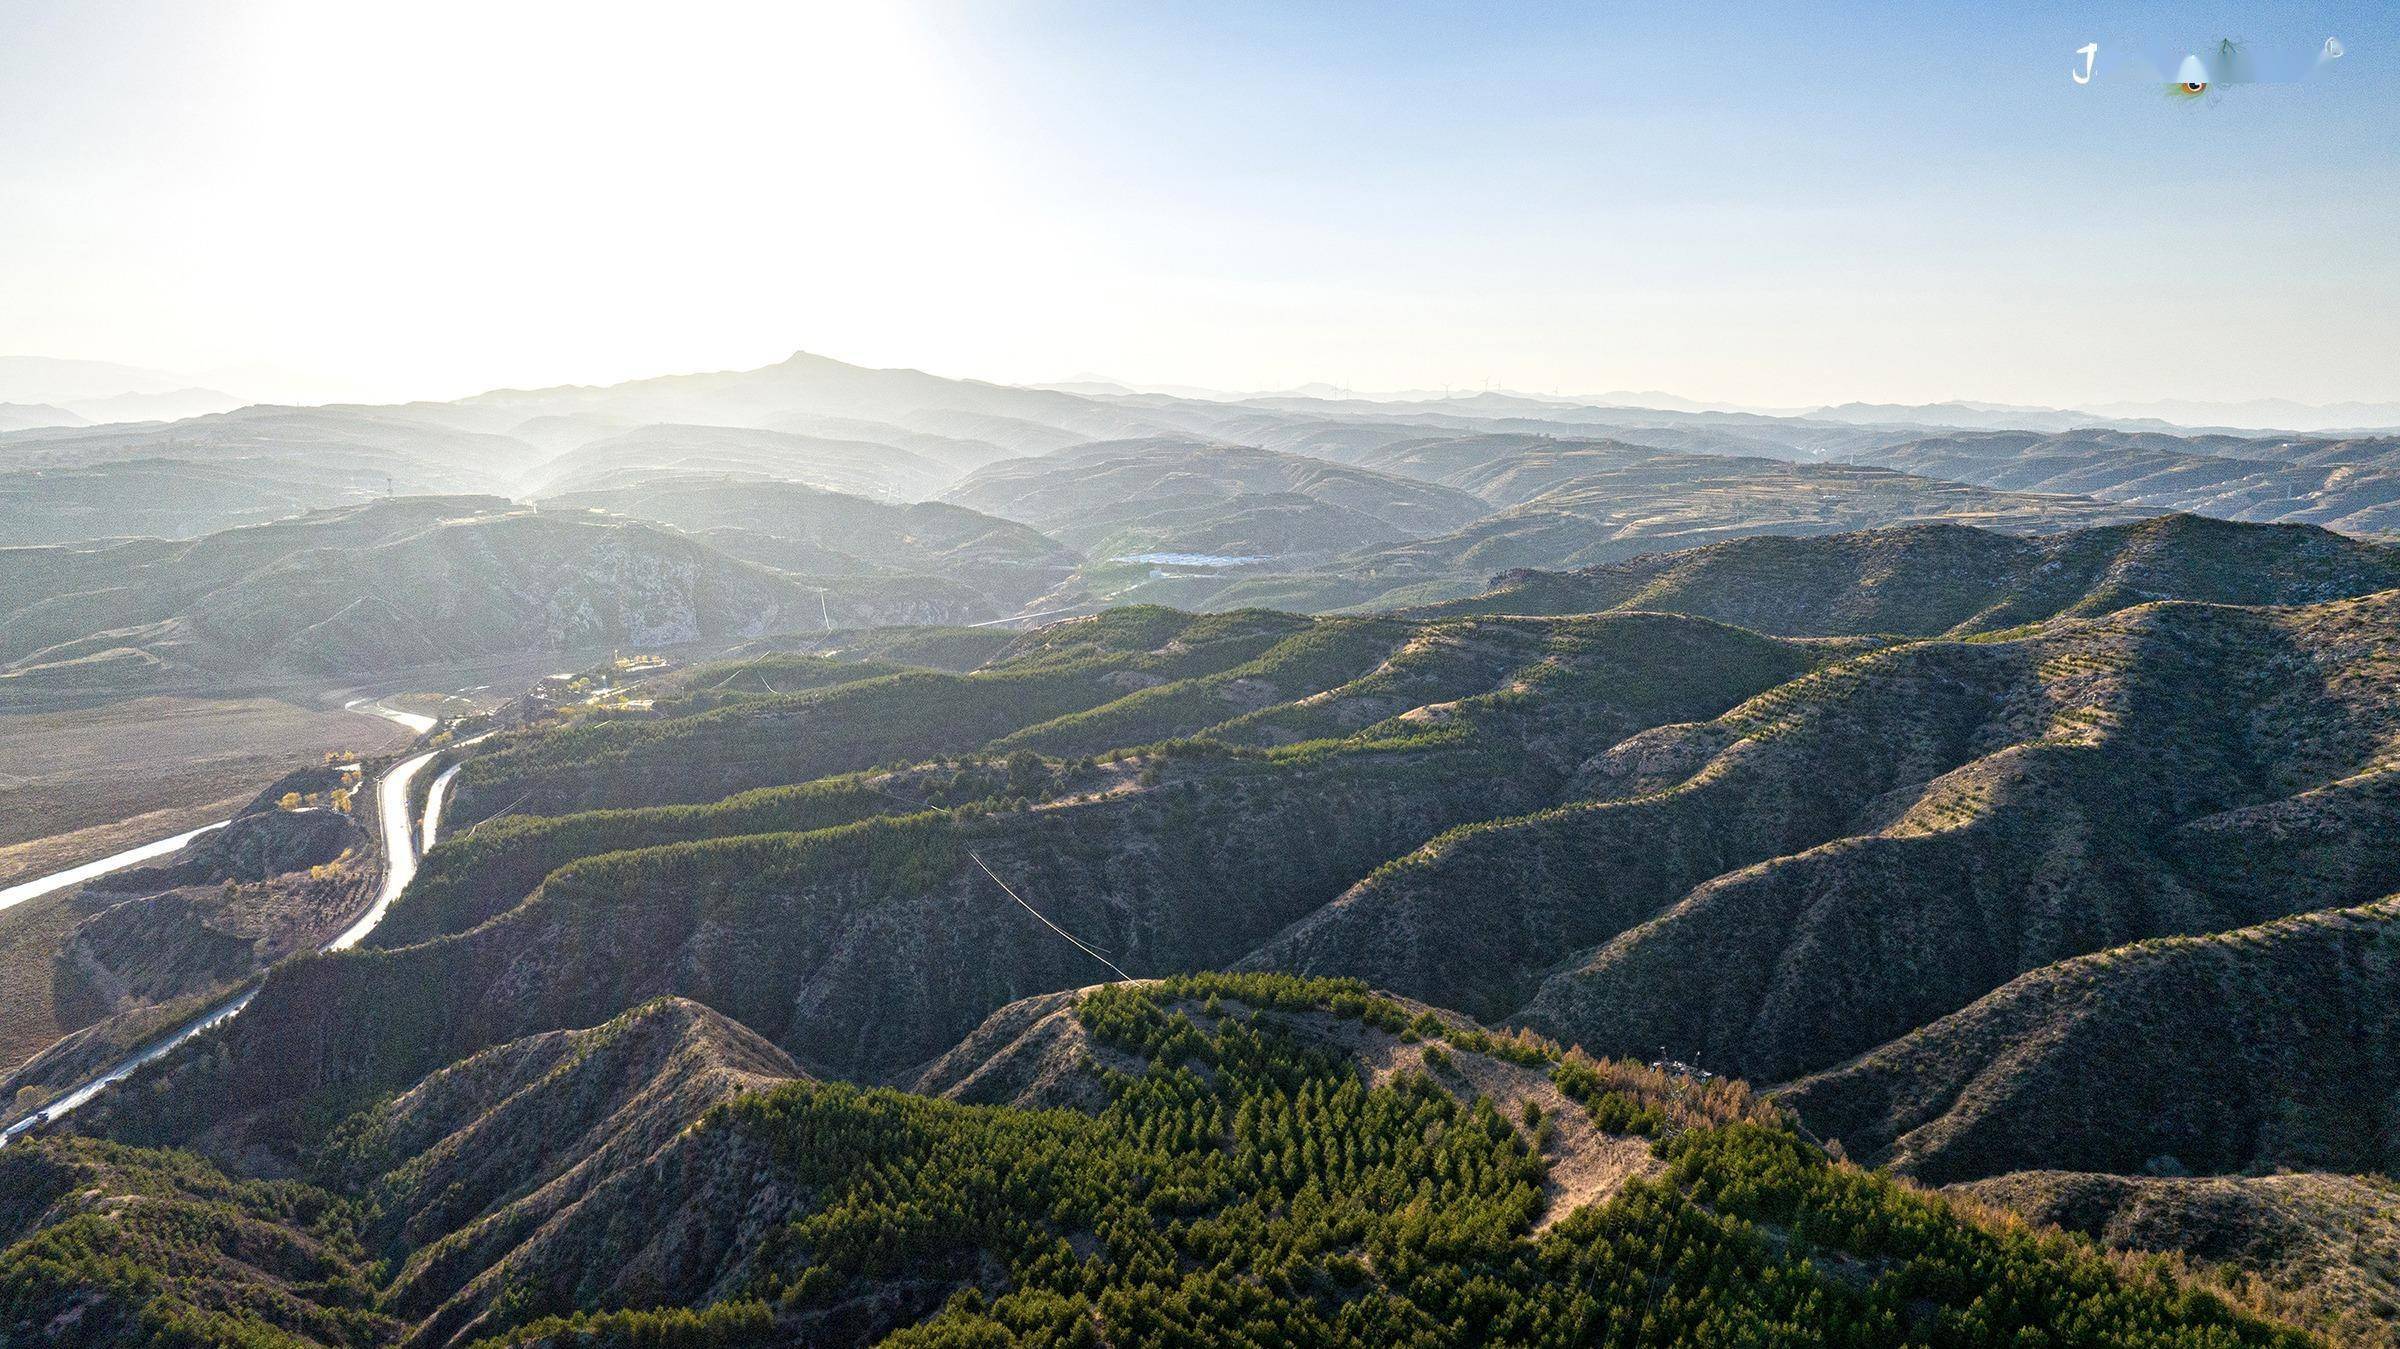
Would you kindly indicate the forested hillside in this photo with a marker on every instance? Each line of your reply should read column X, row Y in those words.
column 1517, row 675
column 1263, row 1160
column 1939, row 868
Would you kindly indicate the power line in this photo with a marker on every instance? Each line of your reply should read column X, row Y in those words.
column 504, row 810
column 1112, row 965
column 1077, row 942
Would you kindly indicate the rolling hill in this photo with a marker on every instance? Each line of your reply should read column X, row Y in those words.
column 2036, row 860
column 1272, row 1161
column 1180, row 496
column 1775, row 811
column 1935, row 579
column 411, row 581
column 416, row 448
column 2257, row 1048
column 2320, row 1249
column 1563, row 484
column 799, row 529
column 2341, row 483
column 1883, row 841
column 665, row 453
column 1575, row 506
column 162, row 498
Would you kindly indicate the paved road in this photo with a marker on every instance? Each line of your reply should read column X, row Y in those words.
column 399, row 845
column 400, row 866
column 60, row 880
column 438, row 794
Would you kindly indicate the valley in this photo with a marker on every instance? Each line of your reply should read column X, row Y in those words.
column 1199, row 676
column 1294, row 833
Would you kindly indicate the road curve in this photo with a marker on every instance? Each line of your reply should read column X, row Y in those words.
column 399, row 845
column 400, row 866
column 434, row 797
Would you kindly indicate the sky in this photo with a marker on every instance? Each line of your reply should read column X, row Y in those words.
column 1897, row 203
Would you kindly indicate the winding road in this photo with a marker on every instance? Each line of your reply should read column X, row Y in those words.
column 400, row 866
column 399, row 844
column 434, row 797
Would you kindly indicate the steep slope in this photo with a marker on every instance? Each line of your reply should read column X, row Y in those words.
column 481, row 873
column 114, row 618
column 485, row 1168
column 177, row 571
column 860, row 950
column 866, row 946
column 2090, row 873
column 484, row 1171
column 144, row 948
column 510, row 582
column 1881, row 842
column 1827, row 867
column 2264, row 1047
column 1329, row 680
column 1261, row 1158
column 1060, row 1050
column 738, row 741
column 1129, row 678
column 106, row 1245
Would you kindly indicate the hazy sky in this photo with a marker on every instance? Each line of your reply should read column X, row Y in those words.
column 1902, row 203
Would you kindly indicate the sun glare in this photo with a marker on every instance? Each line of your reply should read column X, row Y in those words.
column 728, row 183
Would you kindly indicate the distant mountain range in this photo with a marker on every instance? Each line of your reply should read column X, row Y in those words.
column 114, row 393
column 46, row 379
column 24, row 416
column 96, row 391
column 1311, row 500
column 2263, row 414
